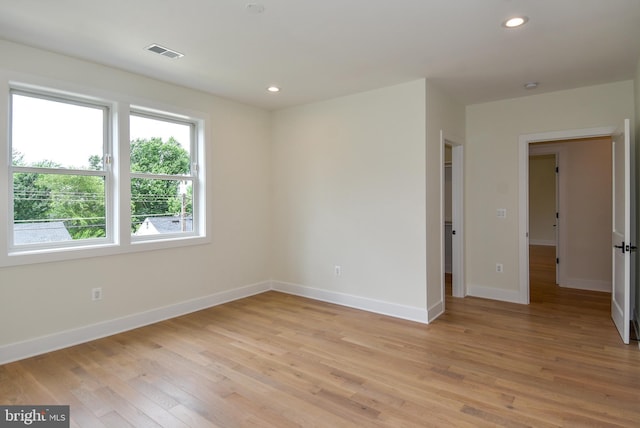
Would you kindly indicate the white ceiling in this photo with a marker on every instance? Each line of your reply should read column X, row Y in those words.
column 321, row 49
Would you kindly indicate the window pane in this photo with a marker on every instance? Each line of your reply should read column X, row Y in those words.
column 161, row 206
column 159, row 146
column 57, row 207
column 56, row 134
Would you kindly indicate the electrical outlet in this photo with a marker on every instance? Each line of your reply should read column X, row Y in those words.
column 337, row 270
column 96, row 293
column 499, row 268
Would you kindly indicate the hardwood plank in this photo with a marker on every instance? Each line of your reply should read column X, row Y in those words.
column 275, row 360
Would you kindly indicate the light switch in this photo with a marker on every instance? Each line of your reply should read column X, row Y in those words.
column 502, row 213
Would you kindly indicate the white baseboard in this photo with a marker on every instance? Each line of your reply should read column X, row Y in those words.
column 63, row 339
column 484, row 292
column 587, row 284
column 435, row 311
column 40, row 345
column 410, row 313
column 542, row 242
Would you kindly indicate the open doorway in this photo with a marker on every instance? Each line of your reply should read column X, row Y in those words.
column 452, row 218
column 570, row 194
column 574, row 248
column 622, row 220
column 544, row 197
column 448, row 222
column 544, row 209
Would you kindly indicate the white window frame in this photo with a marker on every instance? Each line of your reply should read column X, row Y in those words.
column 120, row 240
column 105, row 172
column 193, row 175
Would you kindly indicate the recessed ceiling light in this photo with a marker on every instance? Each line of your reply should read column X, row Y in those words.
column 531, row 85
column 516, row 21
column 273, row 89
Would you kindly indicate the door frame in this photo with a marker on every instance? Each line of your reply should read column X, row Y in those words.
column 457, row 215
column 523, row 190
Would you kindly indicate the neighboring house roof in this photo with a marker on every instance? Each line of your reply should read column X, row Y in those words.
column 164, row 224
column 32, row 233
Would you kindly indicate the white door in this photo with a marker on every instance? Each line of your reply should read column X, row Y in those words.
column 621, row 236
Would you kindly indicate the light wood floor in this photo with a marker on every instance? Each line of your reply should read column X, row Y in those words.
column 276, row 360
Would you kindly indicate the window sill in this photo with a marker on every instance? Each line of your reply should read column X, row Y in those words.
column 18, row 257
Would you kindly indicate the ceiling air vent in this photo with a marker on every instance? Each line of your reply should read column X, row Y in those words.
column 161, row 50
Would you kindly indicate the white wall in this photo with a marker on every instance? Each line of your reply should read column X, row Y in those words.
column 587, row 210
column 43, row 299
column 353, row 181
column 349, row 190
column 492, row 170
